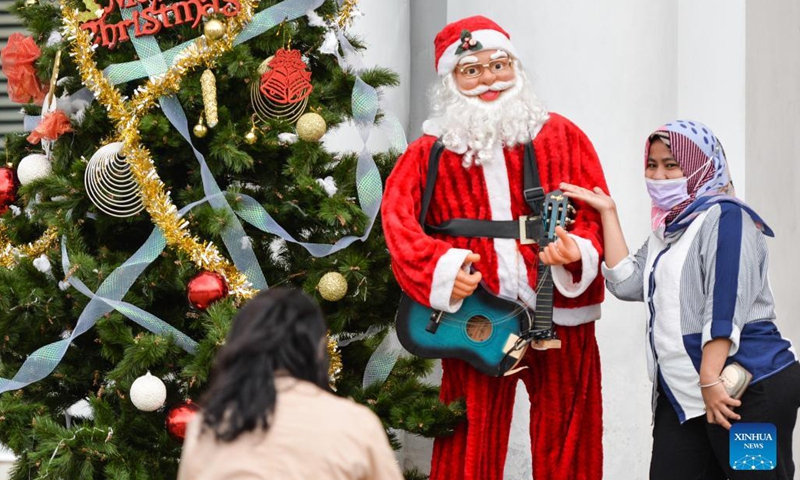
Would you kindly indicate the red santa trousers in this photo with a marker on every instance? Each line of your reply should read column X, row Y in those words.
column 566, row 414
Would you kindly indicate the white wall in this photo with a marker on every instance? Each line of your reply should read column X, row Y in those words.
column 384, row 28
column 6, row 459
column 773, row 143
column 711, row 73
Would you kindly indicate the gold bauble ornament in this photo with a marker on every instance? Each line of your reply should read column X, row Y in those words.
column 311, row 127
column 250, row 137
column 214, row 29
column 332, row 286
column 200, row 130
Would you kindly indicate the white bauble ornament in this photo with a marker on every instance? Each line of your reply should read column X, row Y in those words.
column 148, row 393
column 33, row 167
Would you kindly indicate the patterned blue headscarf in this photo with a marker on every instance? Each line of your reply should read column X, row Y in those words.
column 702, row 158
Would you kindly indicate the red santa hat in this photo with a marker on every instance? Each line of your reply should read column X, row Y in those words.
column 468, row 36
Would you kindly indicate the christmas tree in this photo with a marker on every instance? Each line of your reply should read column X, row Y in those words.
column 174, row 169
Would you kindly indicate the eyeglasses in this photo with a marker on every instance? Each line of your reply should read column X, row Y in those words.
column 475, row 70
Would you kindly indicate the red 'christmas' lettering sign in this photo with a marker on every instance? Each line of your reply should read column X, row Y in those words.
column 288, row 79
column 152, row 18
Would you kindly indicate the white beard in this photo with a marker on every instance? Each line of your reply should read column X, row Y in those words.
column 470, row 126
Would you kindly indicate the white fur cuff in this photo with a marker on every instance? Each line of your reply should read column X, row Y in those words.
column 563, row 278
column 571, row 317
column 444, row 277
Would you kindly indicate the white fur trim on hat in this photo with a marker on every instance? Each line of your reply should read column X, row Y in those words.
column 489, row 40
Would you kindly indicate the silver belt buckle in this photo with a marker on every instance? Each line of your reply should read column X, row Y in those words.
column 523, row 233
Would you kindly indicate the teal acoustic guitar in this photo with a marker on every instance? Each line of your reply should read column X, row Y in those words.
column 488, row 332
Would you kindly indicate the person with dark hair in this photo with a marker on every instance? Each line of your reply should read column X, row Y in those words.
column 711, row 315
column 268, row 412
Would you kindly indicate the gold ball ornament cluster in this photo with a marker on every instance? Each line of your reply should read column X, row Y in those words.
column 311, row 127
column 332, row 286
column 200, row 130
column 251, row 137
column 214, row 29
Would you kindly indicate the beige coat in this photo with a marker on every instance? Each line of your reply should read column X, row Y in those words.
column 314, row 435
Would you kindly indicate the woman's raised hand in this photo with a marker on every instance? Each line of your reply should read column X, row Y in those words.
column 595, row 198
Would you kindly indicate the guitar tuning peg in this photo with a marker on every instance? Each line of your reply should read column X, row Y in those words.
column 571, row 209
column 568, row 222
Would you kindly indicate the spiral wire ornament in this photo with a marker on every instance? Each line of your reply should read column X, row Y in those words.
column 110, row 183
column 267, row 110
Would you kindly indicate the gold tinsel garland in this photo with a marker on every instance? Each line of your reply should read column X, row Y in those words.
column 335, row 367
column 9, row 254
column 156, row 200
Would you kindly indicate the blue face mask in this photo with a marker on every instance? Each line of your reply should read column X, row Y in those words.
column 667, row 193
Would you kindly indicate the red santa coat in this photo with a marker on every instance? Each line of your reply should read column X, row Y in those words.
column 426, row 265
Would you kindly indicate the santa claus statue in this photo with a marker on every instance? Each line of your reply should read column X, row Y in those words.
column 485, row 113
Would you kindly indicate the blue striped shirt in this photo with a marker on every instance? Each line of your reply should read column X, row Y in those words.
column 710, row 282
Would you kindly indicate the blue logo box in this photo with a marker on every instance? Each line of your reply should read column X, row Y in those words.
column 753, row 446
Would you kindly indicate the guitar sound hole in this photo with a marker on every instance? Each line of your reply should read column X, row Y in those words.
column 479, row 328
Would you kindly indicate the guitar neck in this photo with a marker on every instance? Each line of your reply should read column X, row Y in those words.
column 543, row 312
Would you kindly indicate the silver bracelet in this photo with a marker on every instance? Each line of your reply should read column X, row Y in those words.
column 706, row 385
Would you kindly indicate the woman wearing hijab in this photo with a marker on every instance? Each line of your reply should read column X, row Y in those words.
column 703, row 275
column 268, row 413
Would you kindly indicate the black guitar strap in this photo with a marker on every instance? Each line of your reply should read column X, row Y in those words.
column 463, row 227
column 534, row 196
column 430, row 180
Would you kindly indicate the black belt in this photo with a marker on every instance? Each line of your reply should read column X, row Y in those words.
column 528, row 229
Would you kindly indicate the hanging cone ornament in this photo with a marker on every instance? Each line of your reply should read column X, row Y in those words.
column 110, row 183
column 148, row 393
column 208, row 83
column 284, row 87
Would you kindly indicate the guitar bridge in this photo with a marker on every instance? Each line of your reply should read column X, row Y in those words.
column 433, row 322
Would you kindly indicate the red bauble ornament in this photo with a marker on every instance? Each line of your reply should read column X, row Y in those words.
column 8, row 188
column 179, row 417
column 288, row 79
column 206, row 288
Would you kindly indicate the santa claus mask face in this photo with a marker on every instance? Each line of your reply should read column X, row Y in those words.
column 485, row 74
